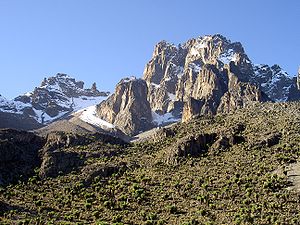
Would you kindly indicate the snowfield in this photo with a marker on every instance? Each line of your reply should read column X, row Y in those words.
column 89, row 115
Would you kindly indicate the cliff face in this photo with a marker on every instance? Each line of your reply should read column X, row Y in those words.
column 128, row 108
column 209, row 69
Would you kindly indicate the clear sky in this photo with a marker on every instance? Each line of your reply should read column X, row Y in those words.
column 105, row 40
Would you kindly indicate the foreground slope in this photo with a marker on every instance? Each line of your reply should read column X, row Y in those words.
column 213, row 170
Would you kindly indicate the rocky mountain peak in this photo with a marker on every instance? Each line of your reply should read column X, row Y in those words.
column 205, row 75
column 298, row 79
column 127, row 80
column 69, row 86
column 127, row 108
column 57, row 96
column 165, row 57
column 164, row 47
column 210, row 49
column 273, row 81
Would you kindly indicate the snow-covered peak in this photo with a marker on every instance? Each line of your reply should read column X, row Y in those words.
column 56, row 97
column 63, row 83
column 274, row 81
column 212, row 48
column 199, row 45
column 2, row 99
column 265, row 71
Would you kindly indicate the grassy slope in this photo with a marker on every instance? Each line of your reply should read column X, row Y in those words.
column 235, row 186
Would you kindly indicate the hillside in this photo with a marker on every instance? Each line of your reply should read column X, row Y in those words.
column 225, row 169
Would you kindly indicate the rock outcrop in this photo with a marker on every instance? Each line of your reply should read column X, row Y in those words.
column 189, row 146
column 192, row 108
column 18, row 155
column 298, row 79
column 128, row 107
column 22, row 152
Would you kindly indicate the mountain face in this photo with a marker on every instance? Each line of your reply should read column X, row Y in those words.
column 128, row 107
column 205, row 75
column 55, row 98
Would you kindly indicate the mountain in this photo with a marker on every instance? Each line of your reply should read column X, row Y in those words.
column 56, row 98
column 205, row 75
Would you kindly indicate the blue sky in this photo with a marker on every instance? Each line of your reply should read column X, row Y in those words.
column 103, row 41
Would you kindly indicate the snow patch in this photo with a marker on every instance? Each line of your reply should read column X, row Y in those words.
column 84, row 102
column 128, row 79
column 11, row 106
column 155, row 85
column 44, row 118
column 163, row 119
column 228, row 56
column 172, row 97
column 89, row 115
column 194, row 67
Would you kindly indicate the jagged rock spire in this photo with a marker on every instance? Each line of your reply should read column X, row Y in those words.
column 298, row 79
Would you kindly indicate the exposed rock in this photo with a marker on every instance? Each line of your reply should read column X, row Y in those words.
column 57, row 140
column 58, row 158
column 18, row 154
column 162, row 73
column 101, row 171
column 128, row 107
column 221, row 143
column 207, row 75
column 268, row 140
column 163, row 133
column 273, row 139
column 191, row 109
column 161, row 66
column 189, row 146
column 242, row 95
column 18, row 121
column 294, row 89
column 58, row 163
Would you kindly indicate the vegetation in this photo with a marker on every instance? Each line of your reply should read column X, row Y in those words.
column 241, row 184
